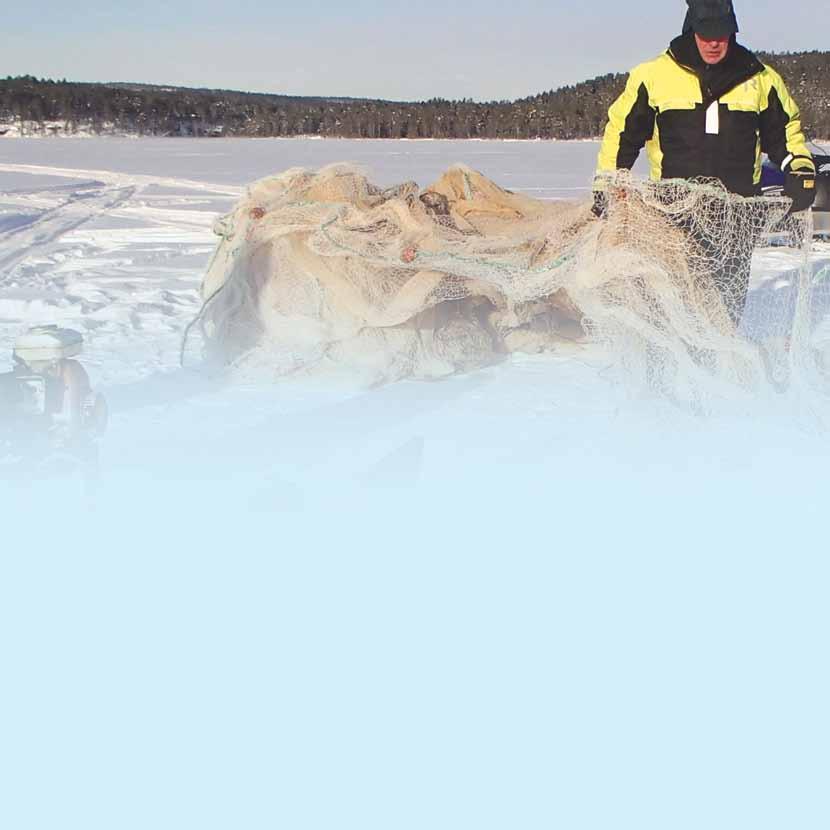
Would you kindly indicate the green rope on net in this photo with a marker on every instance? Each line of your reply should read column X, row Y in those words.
column 823, row 274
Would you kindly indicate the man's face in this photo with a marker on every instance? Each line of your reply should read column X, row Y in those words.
column 712, row 51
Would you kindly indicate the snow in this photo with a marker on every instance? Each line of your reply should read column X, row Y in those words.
column 513, row 598
column 112, row 237
column 130, row 224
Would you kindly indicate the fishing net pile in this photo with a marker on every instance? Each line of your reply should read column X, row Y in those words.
column 326, row 269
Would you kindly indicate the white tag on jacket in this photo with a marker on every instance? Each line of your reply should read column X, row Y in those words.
column 713, row 119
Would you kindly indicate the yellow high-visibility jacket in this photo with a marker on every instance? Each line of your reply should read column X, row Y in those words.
column 704, row 121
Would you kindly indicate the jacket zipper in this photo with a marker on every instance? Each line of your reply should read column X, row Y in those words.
column 705, row 93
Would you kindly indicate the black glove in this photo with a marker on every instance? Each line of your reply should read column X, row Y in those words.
column 600, row 207
column 800, row 186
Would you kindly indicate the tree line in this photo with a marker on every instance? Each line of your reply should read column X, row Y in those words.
column 38, row 106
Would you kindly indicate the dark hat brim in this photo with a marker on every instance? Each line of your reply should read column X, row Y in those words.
column 716, row 27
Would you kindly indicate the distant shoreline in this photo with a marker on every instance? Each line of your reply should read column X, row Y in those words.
column 32, row 107
column 125, row 136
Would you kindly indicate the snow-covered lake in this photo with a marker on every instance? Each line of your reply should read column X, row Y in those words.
column 512, row 598
column 111, row 237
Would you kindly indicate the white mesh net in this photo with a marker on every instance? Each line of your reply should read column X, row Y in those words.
column 320, row 269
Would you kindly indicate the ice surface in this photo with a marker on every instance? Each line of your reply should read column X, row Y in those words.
column 515, row 598
column 112, row 237
column 544, row 167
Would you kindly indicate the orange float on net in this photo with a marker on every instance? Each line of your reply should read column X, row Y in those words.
column 409, row 255
column 257, row 213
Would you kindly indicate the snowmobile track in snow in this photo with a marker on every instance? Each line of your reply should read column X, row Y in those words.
column 98, row 191
column 122, row 179
column 39, row 235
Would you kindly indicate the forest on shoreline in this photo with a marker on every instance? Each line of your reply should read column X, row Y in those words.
column 32, row 106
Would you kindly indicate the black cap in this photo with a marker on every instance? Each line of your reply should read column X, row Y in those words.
column 711, row 18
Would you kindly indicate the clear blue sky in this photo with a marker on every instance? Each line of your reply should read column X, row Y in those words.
column 399, row 49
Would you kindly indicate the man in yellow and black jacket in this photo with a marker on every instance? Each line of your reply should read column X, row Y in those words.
column 708, row 108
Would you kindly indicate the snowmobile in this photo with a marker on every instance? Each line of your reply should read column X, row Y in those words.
column 50, row 417
column 772, row 184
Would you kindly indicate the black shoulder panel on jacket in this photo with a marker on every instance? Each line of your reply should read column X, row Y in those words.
column 773, row 128
column 639, row 127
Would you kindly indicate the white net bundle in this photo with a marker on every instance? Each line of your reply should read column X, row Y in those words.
column 323, row 268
